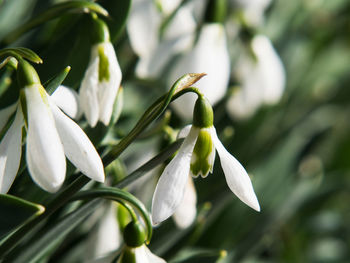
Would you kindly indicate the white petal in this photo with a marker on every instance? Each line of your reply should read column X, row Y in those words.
column 144, row 255
column 183, row 133
column 143, row 23
column 5, row 114
column 270, row 68
column 171, row 185
column 185, row 214
column 45, row 156
column 168, row 6
column 88, row 93
column 243, row 103
column 108, row 237
column 10, row 153
column 67, row 100
column 107, row 91
column 236, row 176
column 77, row 146
column 210, row 55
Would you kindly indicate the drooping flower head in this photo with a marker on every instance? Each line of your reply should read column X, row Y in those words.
column 196, row 157
column 102, row 78
column 50, row 136
column 135, row 249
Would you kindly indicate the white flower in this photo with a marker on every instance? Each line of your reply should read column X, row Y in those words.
column 50, row 136
column 196, row 157
column 106, row 238
column 186, row 212
column 100, row 84
column 143, row 28
column 253, row 10
column 139, row 254
column 67, row 100
column 209, row 55
column 262, row 78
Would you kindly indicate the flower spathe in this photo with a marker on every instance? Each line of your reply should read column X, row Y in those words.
column 100, row 84
column 50, row 136
column 171, row 185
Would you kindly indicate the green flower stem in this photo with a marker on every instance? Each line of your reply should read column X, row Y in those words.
column 120, row 196
column 179, row 88
column 54, row 12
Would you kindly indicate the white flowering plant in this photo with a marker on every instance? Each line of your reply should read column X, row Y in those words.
column 112, row 114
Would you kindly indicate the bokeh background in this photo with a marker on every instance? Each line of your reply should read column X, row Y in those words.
column 296, row 151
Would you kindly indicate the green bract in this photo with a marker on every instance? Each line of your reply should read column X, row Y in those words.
column 26, row 74
column 203, row 113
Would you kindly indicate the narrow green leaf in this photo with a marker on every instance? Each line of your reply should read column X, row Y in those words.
column 199, row 255
column 54, row 12
column 16, row 211
column 52, row 84
column 20, row 52
column 48, row 241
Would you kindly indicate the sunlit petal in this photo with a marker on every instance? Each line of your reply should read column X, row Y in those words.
column 144, row 255
column 185, row 214
column 88, row 93
column 67, row 100
column 45, row 155
column 171, row 185
column 77, row 146
column 10, row 153
column 107, row 90
column 236, row 176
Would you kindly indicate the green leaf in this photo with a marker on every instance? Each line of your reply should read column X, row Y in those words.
column 54, row 12
column 52, row 84
column 52, row 238
column 20, row 52
column 16, row 211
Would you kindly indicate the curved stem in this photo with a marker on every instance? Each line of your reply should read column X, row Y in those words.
column 120, row 196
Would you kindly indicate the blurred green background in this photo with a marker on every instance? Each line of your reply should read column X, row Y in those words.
column 297, row 152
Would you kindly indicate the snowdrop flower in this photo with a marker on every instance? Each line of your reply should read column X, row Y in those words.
column 262, row 78
column 253, row 10
column 136, row 250
column 67, row 100
column 107, row 237
column 186, row 212
column 143, row 28
column 196, row 157
column 101, row 81
column 50, row 136
column 209, row 55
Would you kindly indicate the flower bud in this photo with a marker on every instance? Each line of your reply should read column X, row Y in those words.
column 134, row 234
column 26, row 74
column 203, row 113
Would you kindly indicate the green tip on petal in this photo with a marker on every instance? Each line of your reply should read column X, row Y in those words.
column 103, row 67
column 203, row 115
column 26, row 74
column 134, row 234
column 201, row 162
